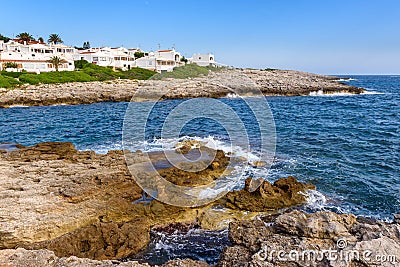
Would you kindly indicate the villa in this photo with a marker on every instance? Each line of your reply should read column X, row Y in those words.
column 160, row 61
column 34, row 56
column 203, row 59
column 118, row 57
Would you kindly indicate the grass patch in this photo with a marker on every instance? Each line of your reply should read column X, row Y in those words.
column 8, row 82
column 186, row 71
column 56, row 77
column 137, row 74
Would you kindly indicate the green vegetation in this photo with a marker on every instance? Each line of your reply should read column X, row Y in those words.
column 186, row 71
column 86, row 72
column 55, row 77
column 56, row 61
column 24, row 36
column 8, row 82
column 4, row 38
column 12, row 74
column 54, row 38
column 103, row 73
column 10, row 65
column 138, row 54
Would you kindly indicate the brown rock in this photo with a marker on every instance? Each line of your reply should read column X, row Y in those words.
column 285, row 192
column 254, row 242
column 187, row 174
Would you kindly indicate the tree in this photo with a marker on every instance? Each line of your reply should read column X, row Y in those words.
column 54, row 38
column 183, row 59
column 86, row 45
column 4, row 38
column 24, row 36
column 138, row 54
column 40, row 39
column 10, row 65
column 56, row 61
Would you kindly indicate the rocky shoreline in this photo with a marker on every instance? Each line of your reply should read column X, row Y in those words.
column 63, row 207
column 222, row 83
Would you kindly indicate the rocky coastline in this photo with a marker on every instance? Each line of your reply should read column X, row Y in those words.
column 63, row 207
column 222, row 83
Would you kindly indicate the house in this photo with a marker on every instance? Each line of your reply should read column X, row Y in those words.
column 117, row 57
column 203, row 59
column 160, row 61
column 34, row 56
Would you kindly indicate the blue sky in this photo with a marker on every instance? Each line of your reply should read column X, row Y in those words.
column 324, row 36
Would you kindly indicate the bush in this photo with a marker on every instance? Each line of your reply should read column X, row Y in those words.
column 137, row 73
column 12, row 74
column 99, row 73
column 10, row 65
column 56, row 77
column 183, row 72
column 80, row 64
column 8, row 82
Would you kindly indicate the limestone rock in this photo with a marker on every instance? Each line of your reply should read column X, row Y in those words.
column 215, row 84
column 285, row 192
column 317, row 239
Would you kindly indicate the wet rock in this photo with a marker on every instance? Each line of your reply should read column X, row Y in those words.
column 199, row 172
column 307, row 239
column 285, row 192
column 185, row 146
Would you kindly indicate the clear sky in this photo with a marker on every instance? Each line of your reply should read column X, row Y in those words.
column 323, row 36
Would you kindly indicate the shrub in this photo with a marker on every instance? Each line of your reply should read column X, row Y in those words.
column 80, row 64
column 8, row 82
column 56, row 77
column 183, row 72
column 137, row 73
column 10, row 65
column 13, row 74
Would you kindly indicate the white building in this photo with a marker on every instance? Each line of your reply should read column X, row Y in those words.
column 34, row 56
column 203, row 59
column 160, row 61
column 118, row 57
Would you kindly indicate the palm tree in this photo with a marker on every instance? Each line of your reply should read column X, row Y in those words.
column 24, row 36
column 55, row 39
column 40, row 39
column 56, row 61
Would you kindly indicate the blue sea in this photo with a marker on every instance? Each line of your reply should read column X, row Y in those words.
column 347, row 145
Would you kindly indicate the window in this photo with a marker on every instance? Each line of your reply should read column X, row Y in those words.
column 95, row 58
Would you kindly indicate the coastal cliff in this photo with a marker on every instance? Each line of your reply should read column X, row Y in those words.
column 221, row 83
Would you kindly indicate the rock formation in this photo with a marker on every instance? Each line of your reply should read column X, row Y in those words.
column 285, row 192
column 216, row 84
column 88, row 205
column 317, row 239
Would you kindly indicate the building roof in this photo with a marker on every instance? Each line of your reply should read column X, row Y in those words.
column 168, row 50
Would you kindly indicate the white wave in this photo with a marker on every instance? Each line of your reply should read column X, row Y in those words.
column 232, row 95
column 346, row 79
column 315, row 200
column 372, row 93
column 163, row 144
column 321, row 93
column 18, row 106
